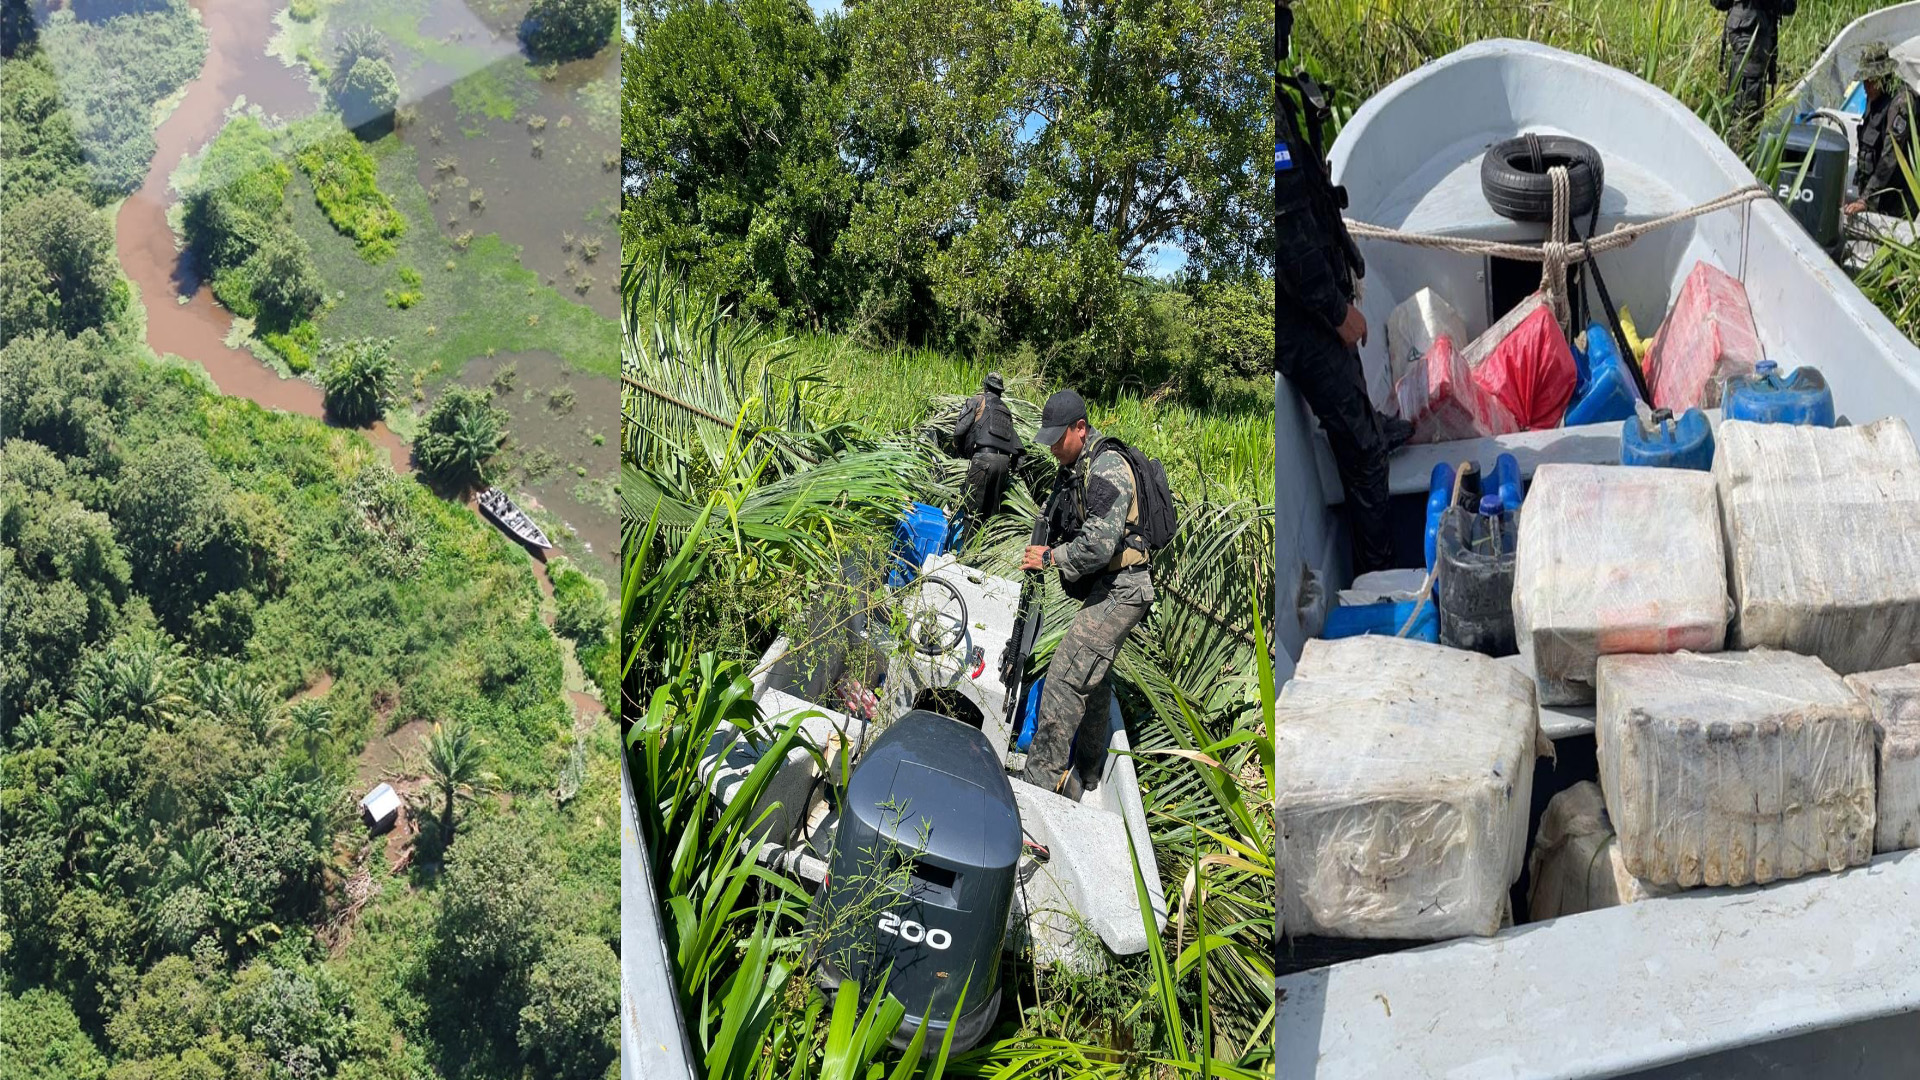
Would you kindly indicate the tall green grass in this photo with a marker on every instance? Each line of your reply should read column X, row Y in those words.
column 1357, row 47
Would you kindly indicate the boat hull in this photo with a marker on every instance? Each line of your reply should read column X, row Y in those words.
column 1799, row 968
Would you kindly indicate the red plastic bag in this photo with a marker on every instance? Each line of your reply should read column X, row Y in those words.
column 1531, row 373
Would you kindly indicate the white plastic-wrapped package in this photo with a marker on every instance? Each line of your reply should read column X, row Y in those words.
column 1406, row 774
column 1419, row 321
column 1734, row 768
column 1893, row 697
column 1615, row 560
column 1823, row 532
column 1576, row 864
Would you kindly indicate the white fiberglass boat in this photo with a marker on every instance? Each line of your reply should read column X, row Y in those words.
column 1819, row 976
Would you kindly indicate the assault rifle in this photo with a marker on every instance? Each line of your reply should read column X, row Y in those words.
column 1026, row 631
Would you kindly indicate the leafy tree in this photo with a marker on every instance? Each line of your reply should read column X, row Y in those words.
column 42, row 145
column 61, row 272
column 359, row 378
column 453, row 757
column 729, row 142
column 300, row 1018
column 496, row 906
column 569, row 1028
column 64, row 570
column 191, row 538
column 61, row 392
column 1233, row 326
column 285, row 283
column 568, row 29
column 369, row 92
column 463, row 433
column 41, row 1039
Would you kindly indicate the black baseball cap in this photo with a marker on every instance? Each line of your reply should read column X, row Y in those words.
column 1061, row 410
column 993, row 383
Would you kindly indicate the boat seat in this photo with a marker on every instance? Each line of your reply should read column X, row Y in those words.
column 1410, row 470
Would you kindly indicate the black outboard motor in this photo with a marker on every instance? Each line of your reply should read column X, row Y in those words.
column 921, row 876
column 1814, row 198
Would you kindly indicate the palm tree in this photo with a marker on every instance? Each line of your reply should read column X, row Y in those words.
column 464, row 432
column 453, row 758
column 312, row 723
column 359, row 379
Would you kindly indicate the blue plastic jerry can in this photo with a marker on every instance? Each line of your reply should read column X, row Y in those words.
column 923, row 531
column 1766, row 398
column 1384, row 619
column 1606, row 391
column 1504, row 482
column 1686, row 443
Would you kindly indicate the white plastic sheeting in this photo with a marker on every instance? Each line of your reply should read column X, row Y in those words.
column 1615, row 560
column 1734, row 768
column 1408, row 773
column 1416, row 324
column 1823, row 531
column 1894, row 699
column 1576, row 864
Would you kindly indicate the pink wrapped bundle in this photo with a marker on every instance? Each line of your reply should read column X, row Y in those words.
column 1708, row 338
column 1438, row 395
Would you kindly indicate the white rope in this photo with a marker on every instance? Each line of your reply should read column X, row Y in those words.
column 1556, row 255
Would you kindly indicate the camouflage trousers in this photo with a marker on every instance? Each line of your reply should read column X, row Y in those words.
column 1075, row 701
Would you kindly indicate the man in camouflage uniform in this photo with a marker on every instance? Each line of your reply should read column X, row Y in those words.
column 1104, row 566
column 1317, row 324
column 1749, row 50
column 984, row 435
column 1885, row 133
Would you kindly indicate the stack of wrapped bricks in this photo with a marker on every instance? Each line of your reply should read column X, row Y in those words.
column 1750, row 638
column 1795, row 753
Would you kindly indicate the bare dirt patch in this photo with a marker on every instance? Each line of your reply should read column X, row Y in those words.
column 385, row 754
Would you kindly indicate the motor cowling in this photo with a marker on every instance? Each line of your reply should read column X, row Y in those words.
column 921, row 875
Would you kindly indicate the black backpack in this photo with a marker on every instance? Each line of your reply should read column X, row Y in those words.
column 1158, row 518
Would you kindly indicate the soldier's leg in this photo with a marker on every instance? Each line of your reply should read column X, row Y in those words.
column 1330, row 378
column 1126, row 605
column 1079, row 664
column 995, row 491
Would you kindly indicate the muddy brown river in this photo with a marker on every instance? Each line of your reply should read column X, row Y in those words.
column 237, row 64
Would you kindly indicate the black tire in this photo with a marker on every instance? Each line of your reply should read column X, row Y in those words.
column 1517, row 186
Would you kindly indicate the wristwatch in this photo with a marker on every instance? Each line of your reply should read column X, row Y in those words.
column 1046, row 558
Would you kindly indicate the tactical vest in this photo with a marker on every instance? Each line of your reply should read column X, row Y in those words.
column 1069, row 516
column 992, row 426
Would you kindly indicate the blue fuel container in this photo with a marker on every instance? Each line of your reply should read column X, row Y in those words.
column 1504, row 482
column 1686, row 443
column 1766, row 398
column 1439, row 493
column 922, row 532
column 1606, row 391
column 1029, row 715
column 1384, row 619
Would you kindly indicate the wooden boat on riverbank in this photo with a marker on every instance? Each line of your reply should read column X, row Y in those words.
column 517, row 522
column 1819, row 976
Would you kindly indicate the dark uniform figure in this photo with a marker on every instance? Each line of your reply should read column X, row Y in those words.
column 1886, row 132
column 984, row 435
column 1094, row 538
column 1317, row 325
column 1749, row 49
